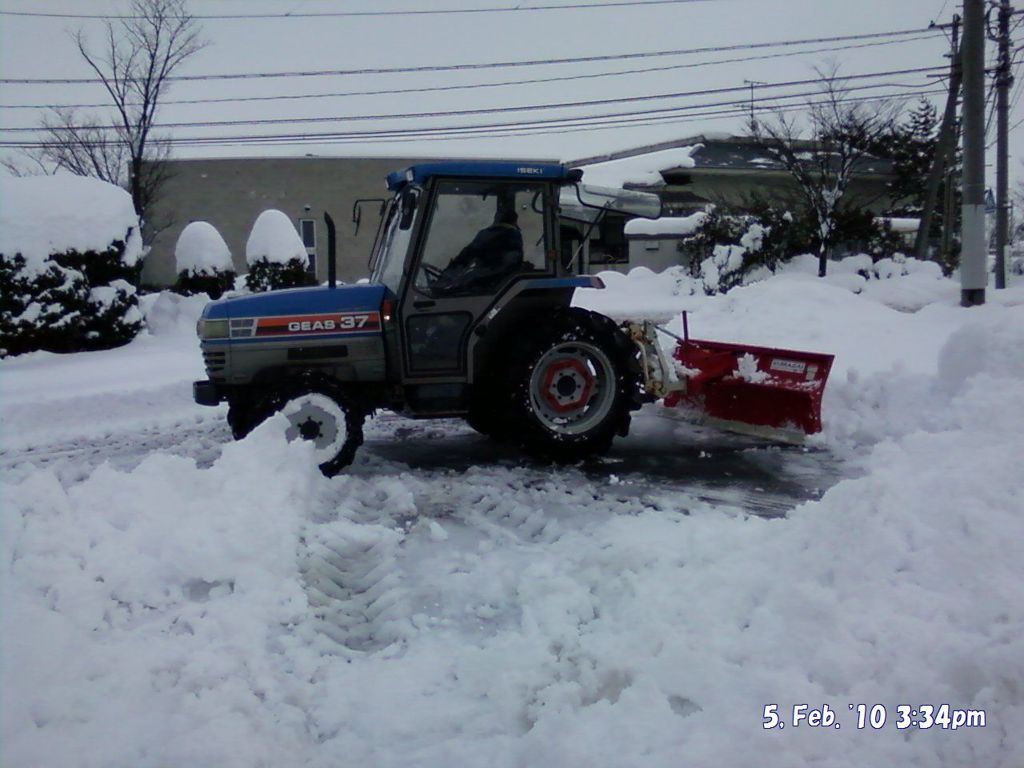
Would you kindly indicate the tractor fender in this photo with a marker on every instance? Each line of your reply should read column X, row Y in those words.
column 523, row 304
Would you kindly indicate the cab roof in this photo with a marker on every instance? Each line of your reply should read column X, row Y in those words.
column 492, row 169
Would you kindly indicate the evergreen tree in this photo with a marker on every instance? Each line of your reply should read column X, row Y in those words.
column 910, row 145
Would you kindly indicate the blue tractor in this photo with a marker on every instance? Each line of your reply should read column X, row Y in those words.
column 467, row 313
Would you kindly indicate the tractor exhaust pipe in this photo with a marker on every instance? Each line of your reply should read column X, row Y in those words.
column 332, row 245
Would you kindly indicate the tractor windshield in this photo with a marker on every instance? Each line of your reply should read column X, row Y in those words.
column 393, row 243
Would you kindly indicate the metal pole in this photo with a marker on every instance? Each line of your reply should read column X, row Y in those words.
column 973, row 272
column 332, row 251
column 1004, row 80
column 752, row 84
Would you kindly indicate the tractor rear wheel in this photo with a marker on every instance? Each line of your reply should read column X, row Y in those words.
column 569, row 386
column 321, row 413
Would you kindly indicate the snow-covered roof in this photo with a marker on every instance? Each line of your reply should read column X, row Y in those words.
column 718, row 151
column 665, row 227
column 640, row 170
column 44, row 215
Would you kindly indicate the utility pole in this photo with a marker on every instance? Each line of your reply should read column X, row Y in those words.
column 973, row 256
column 1004, row 80
column 753, row 84
column 945, row 152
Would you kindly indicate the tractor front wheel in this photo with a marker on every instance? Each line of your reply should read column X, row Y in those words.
column 320, row 413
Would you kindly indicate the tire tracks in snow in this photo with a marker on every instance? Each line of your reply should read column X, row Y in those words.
column 423, row 496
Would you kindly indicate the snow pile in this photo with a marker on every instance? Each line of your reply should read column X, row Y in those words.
column 642, row 170
column 201, row 250
column 274, row 239
column 168, row 313
column 45, row 215
column 640, row 294
column 185, row 589
column 901, row 282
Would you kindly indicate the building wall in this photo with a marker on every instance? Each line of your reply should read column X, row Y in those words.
column 657, row 254
column 231, row 193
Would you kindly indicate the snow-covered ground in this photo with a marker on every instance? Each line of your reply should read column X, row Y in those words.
column 170, row 598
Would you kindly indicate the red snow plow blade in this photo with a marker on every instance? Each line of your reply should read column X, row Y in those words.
column 752, row 389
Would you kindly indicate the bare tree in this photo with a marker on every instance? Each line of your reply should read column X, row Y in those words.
column 135, row 61
column 825, row 156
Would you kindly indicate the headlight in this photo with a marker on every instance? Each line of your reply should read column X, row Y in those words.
column 212, row 329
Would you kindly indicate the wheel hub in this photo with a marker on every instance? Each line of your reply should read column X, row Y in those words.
column 567, row 385
column 572, row 387
column 309, row 429
column 316, row 418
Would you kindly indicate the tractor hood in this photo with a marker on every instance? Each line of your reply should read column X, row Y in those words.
column 299, row 314
column 299, row 301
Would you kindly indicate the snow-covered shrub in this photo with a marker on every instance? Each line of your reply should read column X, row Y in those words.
column 275, row 254
column 70, row 257
column 730, row 249
column 203, row 261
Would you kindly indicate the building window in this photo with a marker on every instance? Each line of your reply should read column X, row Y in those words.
column 609, row 245
column 307, row 229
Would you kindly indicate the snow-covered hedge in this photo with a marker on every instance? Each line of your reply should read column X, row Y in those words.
column 70, row 258
column 724, row 250
column 203, row 261
column 275, row 254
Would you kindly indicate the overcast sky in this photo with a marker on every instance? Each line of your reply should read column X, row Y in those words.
column 32, row 47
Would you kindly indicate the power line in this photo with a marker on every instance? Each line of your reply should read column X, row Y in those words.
column 505, row 109
column 505, row 83
column 491, row 65
column 351, row 14
column 531, row 127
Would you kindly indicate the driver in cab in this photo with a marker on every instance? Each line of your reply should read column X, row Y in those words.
column 494, row 254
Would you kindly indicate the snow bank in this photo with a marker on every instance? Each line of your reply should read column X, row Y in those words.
column 902, row 282
column 185, row 589
column 274, row 239
column 641, row 170
column 43, row 215
column 201, row 250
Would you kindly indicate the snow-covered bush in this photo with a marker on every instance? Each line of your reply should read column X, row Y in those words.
column 275, row 254
column 70, row 257
column 730, row 249
column 203, row 261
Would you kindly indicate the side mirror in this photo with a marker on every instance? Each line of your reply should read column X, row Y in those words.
column 629, row 201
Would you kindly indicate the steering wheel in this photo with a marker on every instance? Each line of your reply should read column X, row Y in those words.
column 431, row 272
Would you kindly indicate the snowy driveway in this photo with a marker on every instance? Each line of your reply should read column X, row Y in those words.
column 173, row 598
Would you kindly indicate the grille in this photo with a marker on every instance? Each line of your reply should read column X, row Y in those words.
column 215, row 363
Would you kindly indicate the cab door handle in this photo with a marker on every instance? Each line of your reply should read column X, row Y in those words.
column 424, row 303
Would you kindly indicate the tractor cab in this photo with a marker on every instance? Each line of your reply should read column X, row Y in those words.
column 467, row 248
